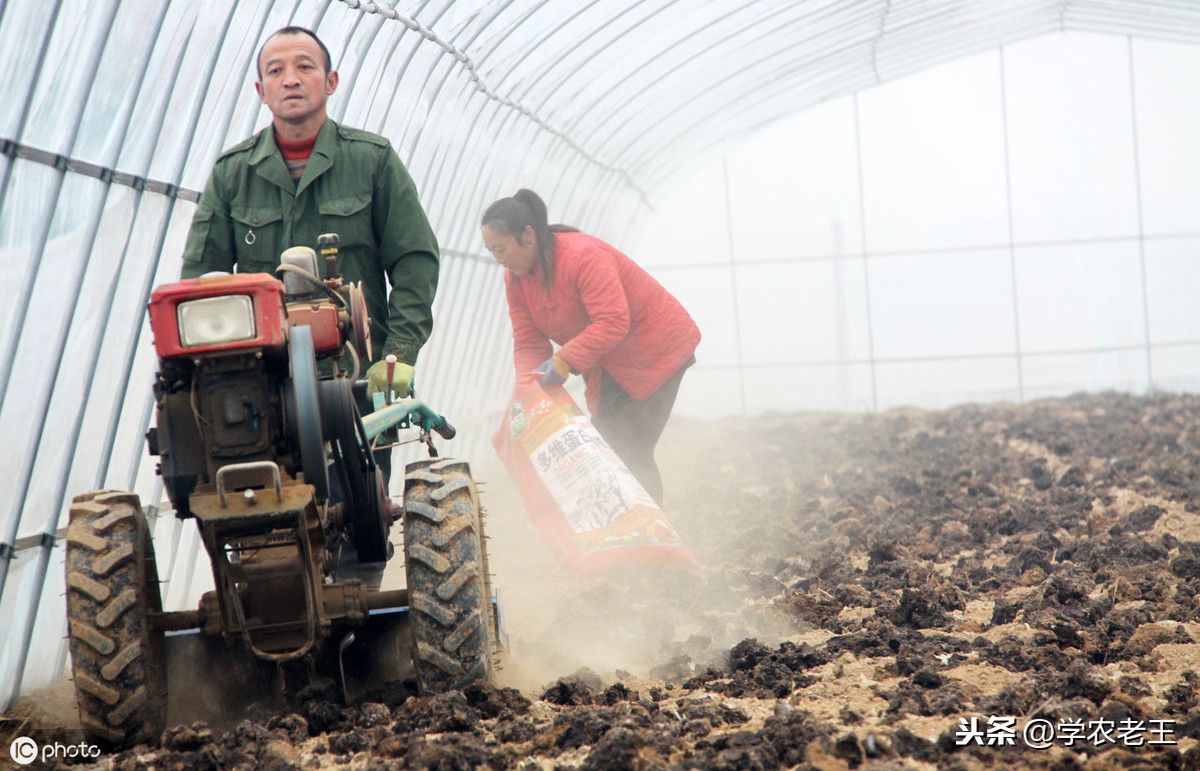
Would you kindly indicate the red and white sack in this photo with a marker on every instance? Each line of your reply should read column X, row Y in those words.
column 580, row 495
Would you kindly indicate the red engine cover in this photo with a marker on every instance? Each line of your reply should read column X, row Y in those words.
column 269, row 320
column 322, row 318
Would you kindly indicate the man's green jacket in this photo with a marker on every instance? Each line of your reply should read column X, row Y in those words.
column 354, row 185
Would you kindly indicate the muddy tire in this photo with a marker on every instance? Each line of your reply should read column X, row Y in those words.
column 449, row 591
column 112, row 587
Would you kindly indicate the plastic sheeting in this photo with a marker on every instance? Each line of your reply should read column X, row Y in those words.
column 1011, row 225
column 116, row 109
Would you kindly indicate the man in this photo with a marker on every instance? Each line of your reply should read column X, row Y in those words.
column 305, row 175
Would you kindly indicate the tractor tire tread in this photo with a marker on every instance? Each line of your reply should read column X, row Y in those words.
column 101, row 729
column 437, row 611
column 114, row 497
column 447, row 590
column 447, row 664
column 124, row 658
column 87, row 540
column 431, row 513
column 445, row 561
column 463, row 631
column 103, row 524
column 446, row 490
column 86, row 506
column 103, row 565
column 450, row 528
column 115, row 609
column 89, row 634
column 88, row 585
column 104, row 693
column 91, row 494
column 436, row 562
column 116, row 655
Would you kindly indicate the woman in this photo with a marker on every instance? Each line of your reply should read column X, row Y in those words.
column 628, row 337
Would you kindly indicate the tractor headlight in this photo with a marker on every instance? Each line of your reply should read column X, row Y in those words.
column 215, row 320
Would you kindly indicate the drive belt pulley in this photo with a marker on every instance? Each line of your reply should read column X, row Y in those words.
column 359, row 478
column 303, row 404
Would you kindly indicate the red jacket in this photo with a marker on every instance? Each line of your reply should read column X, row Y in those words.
column 606, row 313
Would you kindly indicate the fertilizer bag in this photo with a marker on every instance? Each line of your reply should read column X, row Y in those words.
column 581, row 496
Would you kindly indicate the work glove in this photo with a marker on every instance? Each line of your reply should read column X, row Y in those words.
column 554, row 371
column 402, row 377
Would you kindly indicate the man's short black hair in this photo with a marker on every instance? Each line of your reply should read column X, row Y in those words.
column 294, row 31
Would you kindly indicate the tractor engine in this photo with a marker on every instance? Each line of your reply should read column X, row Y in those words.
column 224, row 387
column 237, row 380
column 246, row 432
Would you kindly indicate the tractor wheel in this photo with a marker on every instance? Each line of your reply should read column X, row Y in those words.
column 449, row 591
column 112, row 588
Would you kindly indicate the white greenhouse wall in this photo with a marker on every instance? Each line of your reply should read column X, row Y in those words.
column 1017, row 224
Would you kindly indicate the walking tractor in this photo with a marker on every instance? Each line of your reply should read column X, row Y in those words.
column 261, row 441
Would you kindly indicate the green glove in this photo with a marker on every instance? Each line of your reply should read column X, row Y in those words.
column 402, row 377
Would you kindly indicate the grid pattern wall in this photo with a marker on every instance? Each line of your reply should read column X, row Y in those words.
column 1013, row 225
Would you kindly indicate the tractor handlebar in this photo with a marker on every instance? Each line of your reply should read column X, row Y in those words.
column 407, row 413
column 444, row 429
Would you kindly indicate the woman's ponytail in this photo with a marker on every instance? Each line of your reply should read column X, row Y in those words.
column 540, row 222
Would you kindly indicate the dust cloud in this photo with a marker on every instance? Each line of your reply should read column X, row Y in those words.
column 625, row 621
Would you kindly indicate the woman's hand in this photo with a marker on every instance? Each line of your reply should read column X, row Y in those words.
column 554, row 371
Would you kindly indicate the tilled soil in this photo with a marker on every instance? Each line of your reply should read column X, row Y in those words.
column 915, row 589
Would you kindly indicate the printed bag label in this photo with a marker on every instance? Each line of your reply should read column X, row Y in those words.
column 601, row 501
